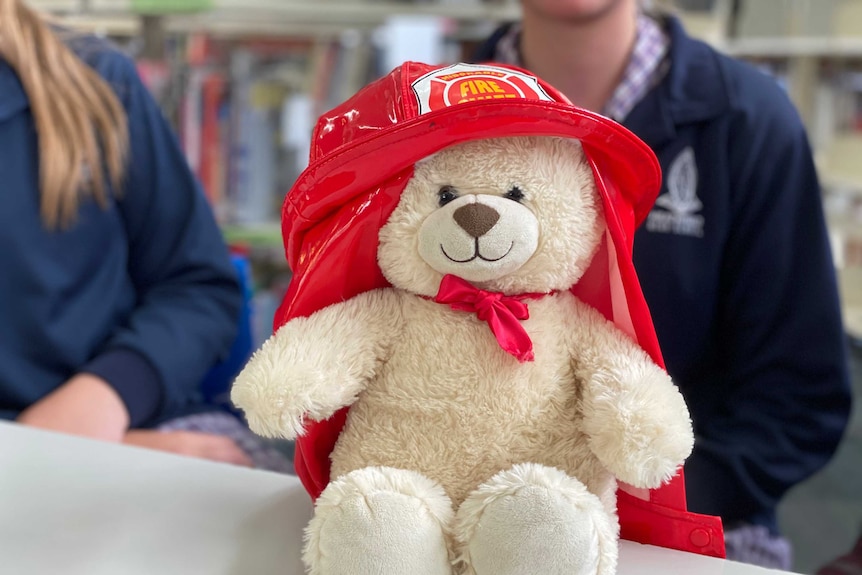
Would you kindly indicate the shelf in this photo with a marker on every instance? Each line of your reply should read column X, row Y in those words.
column 266, row 235
column 103, row 25
column 339, row 10
column 839, row 166
column 275, row 17
column 842, row 183
column 850, row 279
column 793, row 47
column 61, row 6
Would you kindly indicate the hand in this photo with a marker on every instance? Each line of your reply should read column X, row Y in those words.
column 190, row 443
column 85, row 405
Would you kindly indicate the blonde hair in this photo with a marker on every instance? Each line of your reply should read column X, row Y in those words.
column 80, row 124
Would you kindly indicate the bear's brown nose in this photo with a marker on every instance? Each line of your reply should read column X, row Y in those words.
column 476, row 219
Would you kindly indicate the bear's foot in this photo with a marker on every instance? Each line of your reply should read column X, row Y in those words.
column 380, row 521
column 535, row 519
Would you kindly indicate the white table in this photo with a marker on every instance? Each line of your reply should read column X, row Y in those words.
column 72, row 506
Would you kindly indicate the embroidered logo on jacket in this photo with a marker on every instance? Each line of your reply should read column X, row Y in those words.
column 675, row 212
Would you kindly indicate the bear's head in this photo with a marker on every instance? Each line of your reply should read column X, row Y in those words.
column 512, row 215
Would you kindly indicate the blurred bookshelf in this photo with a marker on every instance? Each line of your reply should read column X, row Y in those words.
column 244, row 80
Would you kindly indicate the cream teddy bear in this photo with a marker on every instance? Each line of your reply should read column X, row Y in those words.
column 491, row 411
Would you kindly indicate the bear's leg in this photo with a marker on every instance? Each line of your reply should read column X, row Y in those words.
column 535, row 519
column 380, row 521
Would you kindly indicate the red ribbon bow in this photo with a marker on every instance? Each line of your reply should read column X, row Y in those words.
column 503, row 313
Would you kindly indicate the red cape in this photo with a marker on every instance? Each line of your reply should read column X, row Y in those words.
column 362, row 157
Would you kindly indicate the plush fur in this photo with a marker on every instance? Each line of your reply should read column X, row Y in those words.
column 435, row 400
column 360, row 517
column 541, row 509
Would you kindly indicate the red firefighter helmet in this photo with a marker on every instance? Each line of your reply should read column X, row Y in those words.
column 362, row 155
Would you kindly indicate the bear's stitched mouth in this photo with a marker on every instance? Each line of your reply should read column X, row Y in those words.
column 476, row 254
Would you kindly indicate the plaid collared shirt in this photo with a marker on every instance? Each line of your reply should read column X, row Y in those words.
column 643, row 70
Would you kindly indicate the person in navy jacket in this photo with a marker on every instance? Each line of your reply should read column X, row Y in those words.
column 734, row 258
column 117, row 292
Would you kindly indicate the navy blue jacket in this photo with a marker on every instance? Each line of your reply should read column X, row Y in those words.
column 142, row 294
column 735, row 264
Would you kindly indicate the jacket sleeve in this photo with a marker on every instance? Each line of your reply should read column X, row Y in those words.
column 788, row 399
column 187, row 291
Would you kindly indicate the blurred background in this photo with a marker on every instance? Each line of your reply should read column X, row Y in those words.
column 243, row 82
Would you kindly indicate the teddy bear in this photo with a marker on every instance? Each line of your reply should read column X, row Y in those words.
column 486, row 411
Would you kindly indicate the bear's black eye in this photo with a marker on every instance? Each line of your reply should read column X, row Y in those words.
column 446, row 194
column 515, row 193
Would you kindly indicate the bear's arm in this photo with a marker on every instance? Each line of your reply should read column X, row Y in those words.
column 313, row 366
column 635, row 417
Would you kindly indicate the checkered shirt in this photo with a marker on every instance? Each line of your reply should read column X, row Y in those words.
column 641, row 73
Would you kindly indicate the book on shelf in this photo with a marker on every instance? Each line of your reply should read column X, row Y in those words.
column 244, row 110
